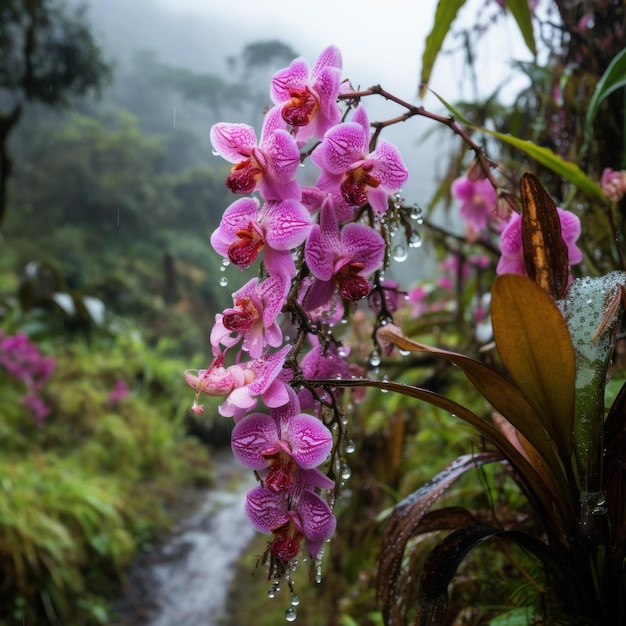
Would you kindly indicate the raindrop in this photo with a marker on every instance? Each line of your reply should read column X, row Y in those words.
column 225, row 261
column 404, row 352
column 318, row 576
column 415, row 213
column 290, row 614
column 214, row 152
column 346, row 472
column 399, row 253
column 223, row 281
column 374, row 358
column 271, row 593
column 415, row 240
column 295, row 599
column 350, row 446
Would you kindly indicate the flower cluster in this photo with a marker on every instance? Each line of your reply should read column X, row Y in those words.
column 317, row 247
column 21, row 359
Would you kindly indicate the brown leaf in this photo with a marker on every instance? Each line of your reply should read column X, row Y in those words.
column 545, row 252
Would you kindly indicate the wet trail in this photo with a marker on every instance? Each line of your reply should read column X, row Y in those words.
column 185, row 580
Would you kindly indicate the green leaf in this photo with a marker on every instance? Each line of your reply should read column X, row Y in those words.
column 523, row 16
column 545, row 156
column 591, row 309
column 613, row 78
column 533, row 341
column 455, row 112
column 444, row 16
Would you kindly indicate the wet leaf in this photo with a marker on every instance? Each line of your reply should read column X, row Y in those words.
column 405, row 523
column 591, row 309
column 442, row 563
column 545, row 156
column 504, row 396
column 535, row 346
column 540, row 495
column 545, row 252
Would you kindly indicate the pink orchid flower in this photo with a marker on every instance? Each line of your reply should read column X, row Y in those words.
column 241, row 384
column 271, row 167
column 512, row 259
column 613, row 184
column 348, row 165
column 253, row 318
column 303, row 516
column 340, row 259
column 308, row 102
column 283, row 445
column 276, row 228
column 478, row 203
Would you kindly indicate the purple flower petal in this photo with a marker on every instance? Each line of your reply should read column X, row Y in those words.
column 309, row 440
column 233, row 142
column 265, row 509
column 251, row 437
column 286, row 224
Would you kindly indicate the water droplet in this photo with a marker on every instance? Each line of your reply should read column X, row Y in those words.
column 374, row 358
column 223, row 281
column 350, row 446
column 415, row 240
column 415, row 213
column 399, row 253
column 318, row 577
column 225, row 261
column 291, row 614
column 404, row 352
column 271, row 593
column 344, row 420
column 346, row 472
column 295, row 600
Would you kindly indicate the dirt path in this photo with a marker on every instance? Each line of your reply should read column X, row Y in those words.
column 185, row 580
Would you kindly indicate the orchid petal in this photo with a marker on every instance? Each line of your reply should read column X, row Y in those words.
column 265, row 509
column 309, row 440
column 251, row 436
column 233, row 142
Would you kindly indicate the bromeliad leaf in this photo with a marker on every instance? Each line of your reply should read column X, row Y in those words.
column 535, row 346
column 592, row 309
column 523, row 16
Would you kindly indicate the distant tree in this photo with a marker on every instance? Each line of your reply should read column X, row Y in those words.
column 48, row 55
column 262, row 54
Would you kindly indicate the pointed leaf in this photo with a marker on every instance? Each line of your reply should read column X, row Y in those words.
column 545, row 252
column 444, row 16
column 442, row 563
column 545, row 156
column 405, row 522
column 504, row 396
column 523, row 16
column 538, row 493
column 613, row 78
column 535, row 346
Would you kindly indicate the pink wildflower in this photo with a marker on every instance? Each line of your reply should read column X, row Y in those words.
column 309, row 102
column 348, row 165
column 478, row 203
column 613, row 184
column 271, row 167
column 512, row 259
